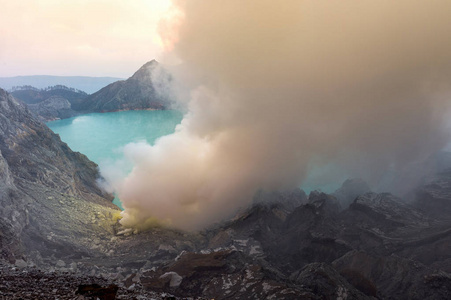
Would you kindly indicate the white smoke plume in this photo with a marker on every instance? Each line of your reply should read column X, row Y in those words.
column 278, row 88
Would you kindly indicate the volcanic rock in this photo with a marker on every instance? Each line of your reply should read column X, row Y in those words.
column 351, row 189
column 379, row 246
column 32, row 283
column 392, row 276
column 326, row 283
column 219, row 275
column 434, row 197
column 387, row 210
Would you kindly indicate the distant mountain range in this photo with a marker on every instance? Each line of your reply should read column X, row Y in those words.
column 51, row 103
column 31, row 95
column 84, row 83
column 139, row 92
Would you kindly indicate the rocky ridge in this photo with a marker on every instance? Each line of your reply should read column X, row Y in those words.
column 53, row 108
column 84, row 83
column 141, row 91
column 31, row 95
column 51, row 103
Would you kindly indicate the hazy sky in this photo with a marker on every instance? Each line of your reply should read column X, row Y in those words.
column 83, row 37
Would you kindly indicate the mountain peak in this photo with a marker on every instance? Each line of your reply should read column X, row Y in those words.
column 144, row 72
column 152, row 63
column 137, row 92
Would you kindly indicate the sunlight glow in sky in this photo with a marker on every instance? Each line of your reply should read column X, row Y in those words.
column 83, row 37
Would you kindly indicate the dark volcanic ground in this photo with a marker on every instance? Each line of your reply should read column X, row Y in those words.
column 287, row 246
column 60, row 237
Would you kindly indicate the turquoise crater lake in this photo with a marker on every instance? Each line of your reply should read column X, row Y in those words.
column 101, row 136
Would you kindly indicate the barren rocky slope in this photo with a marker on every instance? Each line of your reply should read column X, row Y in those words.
column 137, row 92
column 47, row 191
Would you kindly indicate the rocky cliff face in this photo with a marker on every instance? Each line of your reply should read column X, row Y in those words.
column 41, row 179
column 137, row 92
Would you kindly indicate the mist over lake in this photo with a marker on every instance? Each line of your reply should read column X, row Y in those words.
column 101, row 136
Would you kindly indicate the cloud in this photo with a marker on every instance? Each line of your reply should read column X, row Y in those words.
column 96, row 38
column 278, row 89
